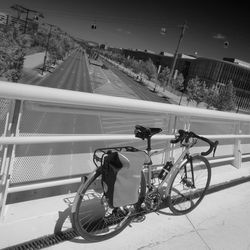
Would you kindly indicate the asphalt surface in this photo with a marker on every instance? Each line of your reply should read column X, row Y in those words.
column 49, row 161
column 71, row 75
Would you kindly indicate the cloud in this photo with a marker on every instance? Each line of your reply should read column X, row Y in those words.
column 219, row 36
column 119, row 29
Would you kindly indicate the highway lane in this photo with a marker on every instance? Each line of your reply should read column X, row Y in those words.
column 49, row 161
column 71, row 75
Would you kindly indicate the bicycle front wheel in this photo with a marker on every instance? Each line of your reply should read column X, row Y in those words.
column 93, row 218
column 187, row 187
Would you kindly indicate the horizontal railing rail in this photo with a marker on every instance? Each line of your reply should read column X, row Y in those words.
column 19, row 140
column 104, row 102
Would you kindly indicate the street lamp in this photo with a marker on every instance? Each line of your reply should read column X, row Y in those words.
column 47, row 45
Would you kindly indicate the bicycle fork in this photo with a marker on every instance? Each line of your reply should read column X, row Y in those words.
column 185, row 179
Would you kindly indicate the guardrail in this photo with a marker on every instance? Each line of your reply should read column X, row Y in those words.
column 87, row 103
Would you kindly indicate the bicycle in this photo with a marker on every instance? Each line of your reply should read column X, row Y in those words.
column 182, row 184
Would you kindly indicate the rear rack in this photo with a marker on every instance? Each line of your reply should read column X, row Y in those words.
column 100, row 153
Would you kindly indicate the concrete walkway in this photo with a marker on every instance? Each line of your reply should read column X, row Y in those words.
column 220, row 222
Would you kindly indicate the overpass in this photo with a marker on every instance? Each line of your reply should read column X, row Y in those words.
column 66, row 168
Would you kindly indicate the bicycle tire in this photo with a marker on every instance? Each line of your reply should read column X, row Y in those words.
column 90, row 212
column 182, row 196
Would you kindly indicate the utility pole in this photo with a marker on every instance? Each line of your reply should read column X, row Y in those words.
column 183, row 29
column 47, row 46
column 20, row 9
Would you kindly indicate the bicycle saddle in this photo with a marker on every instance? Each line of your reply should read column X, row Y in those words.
column 144, row 132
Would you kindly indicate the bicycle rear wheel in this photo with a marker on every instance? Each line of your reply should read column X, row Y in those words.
column 187, row 190
column 93, row 218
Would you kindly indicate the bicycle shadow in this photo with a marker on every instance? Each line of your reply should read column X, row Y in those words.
column 64, row 223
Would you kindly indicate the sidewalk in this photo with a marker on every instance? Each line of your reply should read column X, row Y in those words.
column 220, row 222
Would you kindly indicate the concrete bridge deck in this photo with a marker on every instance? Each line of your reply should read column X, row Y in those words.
column 221, row 221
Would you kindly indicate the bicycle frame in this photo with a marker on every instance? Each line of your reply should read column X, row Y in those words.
column 182, row 159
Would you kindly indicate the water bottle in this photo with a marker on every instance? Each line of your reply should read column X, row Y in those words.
column 165, row 170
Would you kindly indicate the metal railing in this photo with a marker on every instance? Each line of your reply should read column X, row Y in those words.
column 235, row 143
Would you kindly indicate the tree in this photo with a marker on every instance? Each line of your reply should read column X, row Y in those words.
column 226, row 98
column 137, row 66
column 163, row 76
column 177, row 83
column 11, row 56
column 150, row 69
column 128, row 62
column 196, row 90
column 211, row 97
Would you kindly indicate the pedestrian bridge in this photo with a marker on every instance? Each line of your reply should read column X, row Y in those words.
column 48, row 134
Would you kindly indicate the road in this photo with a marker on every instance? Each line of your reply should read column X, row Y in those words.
column 71, row 75
column 52, row 161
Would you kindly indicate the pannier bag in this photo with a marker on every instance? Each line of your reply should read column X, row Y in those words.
column 121, row 177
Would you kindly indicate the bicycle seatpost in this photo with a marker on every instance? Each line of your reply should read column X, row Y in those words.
column 148, row 144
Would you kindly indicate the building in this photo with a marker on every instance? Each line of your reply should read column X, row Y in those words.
column 221, row 72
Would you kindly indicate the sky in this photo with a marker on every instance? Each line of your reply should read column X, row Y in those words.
column 138, row 24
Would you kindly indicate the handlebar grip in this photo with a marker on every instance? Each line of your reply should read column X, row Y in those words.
column 213, row 146
column 207, row 152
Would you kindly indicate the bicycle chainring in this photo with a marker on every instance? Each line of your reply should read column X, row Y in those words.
column 152, row 200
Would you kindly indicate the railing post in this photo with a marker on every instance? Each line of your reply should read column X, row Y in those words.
column 9, row 158
column 173, row 129
column 187, row 123
column 168, row 123
column 4, row 160
column 237, row 148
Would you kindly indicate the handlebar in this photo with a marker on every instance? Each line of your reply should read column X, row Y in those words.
column 186, row 135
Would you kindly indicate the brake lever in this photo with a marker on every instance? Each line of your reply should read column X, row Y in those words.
column 215, row 147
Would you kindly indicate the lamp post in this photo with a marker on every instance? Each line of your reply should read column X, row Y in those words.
column 183, row 28
column 47, row 46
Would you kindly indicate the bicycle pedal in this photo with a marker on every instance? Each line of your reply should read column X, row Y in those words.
column 139, row 218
